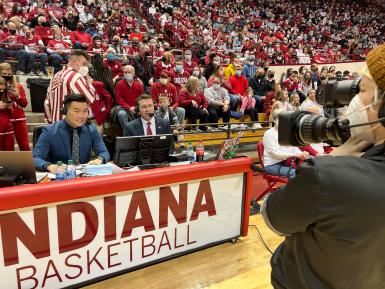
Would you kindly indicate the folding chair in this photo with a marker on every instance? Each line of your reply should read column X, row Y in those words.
column 270, row 179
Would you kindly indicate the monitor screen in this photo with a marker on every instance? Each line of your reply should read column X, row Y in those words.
column 142, row 150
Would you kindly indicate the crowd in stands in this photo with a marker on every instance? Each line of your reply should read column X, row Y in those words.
column 211, row 59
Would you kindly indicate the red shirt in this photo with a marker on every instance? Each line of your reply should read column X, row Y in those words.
column 102, row 104
column 157, row 90
column 82, row 37
column 115, row 66
column 137, row 35
column 58, row 45
column 33, row 44
column 126, row 95
column 19, row 103
column 179, row 79
column 185, row 99
column 189, row 67
column 239, row 85
column 11, row 41
column 45, row 33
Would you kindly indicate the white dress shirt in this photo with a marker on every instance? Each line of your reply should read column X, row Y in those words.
column 153, row 127
column 274, row 153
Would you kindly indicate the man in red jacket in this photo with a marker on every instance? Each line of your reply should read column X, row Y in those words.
column 127, row 91
column 101, row 106
column 79, row 38
column 165, row 88
column 43, row 29
column 239, row 86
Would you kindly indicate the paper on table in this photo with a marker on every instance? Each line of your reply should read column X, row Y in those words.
column 40, row 176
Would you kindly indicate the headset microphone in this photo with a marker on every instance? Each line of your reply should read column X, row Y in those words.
column 360, row 124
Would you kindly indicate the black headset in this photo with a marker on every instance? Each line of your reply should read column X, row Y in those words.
column 381, row 109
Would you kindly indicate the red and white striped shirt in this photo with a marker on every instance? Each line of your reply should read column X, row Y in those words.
column 66, row 81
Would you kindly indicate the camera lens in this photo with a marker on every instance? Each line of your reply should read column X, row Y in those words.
column 336, row 93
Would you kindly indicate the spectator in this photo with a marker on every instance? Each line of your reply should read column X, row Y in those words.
column 118, row 48
column 17, row 96
column 202, row 81
column 282, row 100
column 194, row 102
column 127, row 91
column 188, row 63
column 249, row 68
column 165, row 63
column 79, row 38
column 260, row 87
column 179, row 76
column 275, row 155
column 248, row 107
column 34, row 47
column 230, row 69
column 295, row 104
column 270, row 81
column 143, row 66
column 6, row 129
column 71, row 19
column 101, row 107
column 70, row 80
column 220, row 73
column 11, row 44
column 219, row 102
column 165, row 88
column 114, row 65
column 213, row 65
column 43, row 30
column 59, row 51
column 311, row 104
column 239, row 86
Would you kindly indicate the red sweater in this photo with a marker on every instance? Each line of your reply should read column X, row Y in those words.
column 45, row 33
column 82, row 37
column 179, row 79
column 239, row 85
column 126, row 95
column 115, row 66
column 101, row 106
column 185, row 99
column 157, row 89
column 189, row 67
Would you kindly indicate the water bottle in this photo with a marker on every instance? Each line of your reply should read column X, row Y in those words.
column 60, row 172
column 190, row 152
column 71, row 170
column 200, row 152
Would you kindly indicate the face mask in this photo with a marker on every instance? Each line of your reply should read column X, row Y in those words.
column 216, row 63
column 110, row 57
column 356, row 114
column 8, row 77
column 188, row 57
column 179, row 68
column 12, row 31
column 128, row 77
column 83, row 71
column 163, row 81
column 195, row 73
column 251, row 63
column 80, row 28
column 147, row 53
column 238, row 73
column 216, row 86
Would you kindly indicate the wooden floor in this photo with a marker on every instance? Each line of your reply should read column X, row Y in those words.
column 244, row 265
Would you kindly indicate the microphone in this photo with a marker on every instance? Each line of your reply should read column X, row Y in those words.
column 345, row 123
column 151, row 114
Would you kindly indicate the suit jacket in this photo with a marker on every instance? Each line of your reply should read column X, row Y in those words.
column 135, row 127
column 54, row 145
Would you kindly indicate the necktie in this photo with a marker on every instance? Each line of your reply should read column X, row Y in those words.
column 75, row 146
column 149, row 130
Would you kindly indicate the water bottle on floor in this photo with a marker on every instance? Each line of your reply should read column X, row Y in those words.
column 71, row 170
column 60, row 172
column 190, row 152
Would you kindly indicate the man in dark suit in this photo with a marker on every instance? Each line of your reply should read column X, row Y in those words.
column 147, row 124
column 70, row 138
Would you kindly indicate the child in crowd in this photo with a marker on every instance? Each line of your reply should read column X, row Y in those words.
column 248, row 107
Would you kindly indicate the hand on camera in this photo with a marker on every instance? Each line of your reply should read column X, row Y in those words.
column 352, row 147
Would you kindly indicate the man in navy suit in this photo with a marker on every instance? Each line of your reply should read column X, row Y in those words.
column 147, row 123
column 70, row 138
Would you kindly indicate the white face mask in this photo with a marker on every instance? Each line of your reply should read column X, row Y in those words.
column 356, row 114
column 216, row 86
column 83, row 70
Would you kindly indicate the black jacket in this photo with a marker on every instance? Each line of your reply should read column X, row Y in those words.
column 144, row 68
column 333, row 216
column 259, row 86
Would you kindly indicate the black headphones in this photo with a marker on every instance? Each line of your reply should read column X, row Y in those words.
column 381, row 109
column 137, row 104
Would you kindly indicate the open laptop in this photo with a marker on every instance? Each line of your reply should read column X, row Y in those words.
column 16, row 168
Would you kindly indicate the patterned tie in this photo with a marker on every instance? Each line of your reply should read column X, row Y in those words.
column 149, row 130
column 75, row 146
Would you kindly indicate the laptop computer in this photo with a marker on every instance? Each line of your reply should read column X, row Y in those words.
column 16, row 168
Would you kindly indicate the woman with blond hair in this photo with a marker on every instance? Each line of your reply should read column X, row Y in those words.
column 18, row 101
column 192, row 99
column 6, row 130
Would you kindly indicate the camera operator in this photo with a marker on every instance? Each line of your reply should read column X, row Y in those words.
column 332, row 212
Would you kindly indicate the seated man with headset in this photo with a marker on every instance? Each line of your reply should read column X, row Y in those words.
column 70, row 138
column 147, row 123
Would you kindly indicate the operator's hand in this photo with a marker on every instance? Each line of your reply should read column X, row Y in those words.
column 303, row 155
column 95, row 162
column 352, row 147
